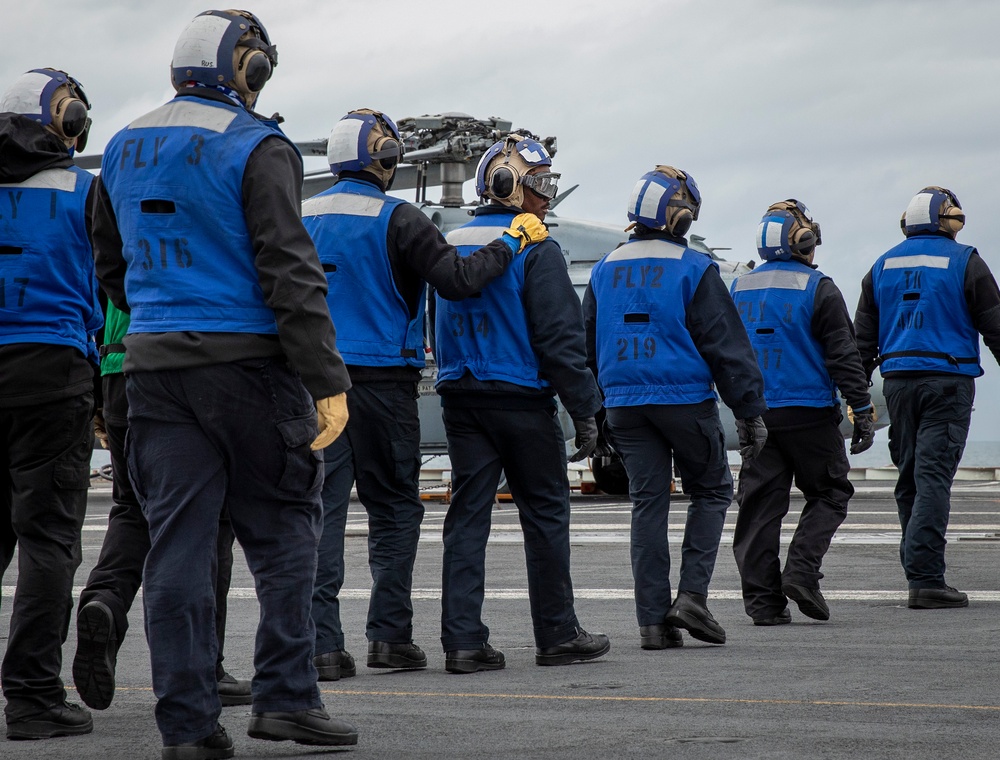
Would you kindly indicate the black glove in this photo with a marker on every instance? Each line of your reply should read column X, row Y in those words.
column 753, row 436
column 864, row 432
column 586, row 438
column 605, row 441
column 605, row 448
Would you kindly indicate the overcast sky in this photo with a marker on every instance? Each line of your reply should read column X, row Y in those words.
column 849, row 106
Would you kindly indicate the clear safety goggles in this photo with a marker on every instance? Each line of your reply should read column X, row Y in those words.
column 546, row 184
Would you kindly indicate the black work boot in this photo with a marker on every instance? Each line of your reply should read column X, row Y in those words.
column 690, row 612
column 474, row 660
column 65, row 719
column 234, row 691
column 216, row 746
column 811, row 601
column 407, row 656
column 314, row 727
column 936, row 598
column 583, row 646
column 332, row 666
column 660, row 636
column 96, row 655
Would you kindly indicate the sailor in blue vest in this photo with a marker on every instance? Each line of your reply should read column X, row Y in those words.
column 378, row 253
column 662, row 335
column 502, row 358
column 802, row 334
column 923, row 306
column 230, row 362
column 49, row 315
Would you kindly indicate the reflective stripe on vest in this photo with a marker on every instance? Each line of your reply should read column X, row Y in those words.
column 349, row 223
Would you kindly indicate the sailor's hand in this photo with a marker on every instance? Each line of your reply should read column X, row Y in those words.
column 586, row 438
column 605, row 447
column 524, row 230
column 864, row 431
column 331, row 414
column 753, row 436
column 870, row 409
column 100, row 428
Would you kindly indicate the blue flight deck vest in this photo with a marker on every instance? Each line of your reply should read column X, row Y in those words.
column 924, row 323
column 776, row 302
column 175, row 179
column 645, row 354
column 48, row 291
column 487, row 334
column 349, row 223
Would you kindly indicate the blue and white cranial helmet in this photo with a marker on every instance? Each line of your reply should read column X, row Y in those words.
column 205, row 52
column 933, row 209
column 364, row 139
column 52, row 98
column 786, row 230
column 503, row 169
column 666, row 199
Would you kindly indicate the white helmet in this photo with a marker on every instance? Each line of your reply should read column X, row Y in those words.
column 228, row 48
column 55, row 100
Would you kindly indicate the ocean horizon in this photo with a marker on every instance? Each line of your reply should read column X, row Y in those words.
column 977, row 454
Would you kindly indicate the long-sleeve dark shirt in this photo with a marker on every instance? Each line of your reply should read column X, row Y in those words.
column 718, row 334
column 982, row 296
column 288, row 271
column 418, row 254
column 555, row 322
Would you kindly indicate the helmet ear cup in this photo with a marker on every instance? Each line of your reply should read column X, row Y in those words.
column 679, row 221
column 503, row 183
column 951, row 218
column 252, row 71
column 70, row 117
column 391, row 145
column 803, row 241
column 953, row 223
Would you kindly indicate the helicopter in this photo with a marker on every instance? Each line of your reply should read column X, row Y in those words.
column 443, row 150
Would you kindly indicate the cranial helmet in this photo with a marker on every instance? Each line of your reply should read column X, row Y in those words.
column 665, row 199
column 933, row 209
column 55, row 100
column 228, row 48
column 502, row 173
column 787, row 230
column 365, row 140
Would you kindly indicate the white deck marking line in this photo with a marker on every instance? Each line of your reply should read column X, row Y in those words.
column 610, row 594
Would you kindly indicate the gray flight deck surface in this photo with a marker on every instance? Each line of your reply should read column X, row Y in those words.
column 876, row 681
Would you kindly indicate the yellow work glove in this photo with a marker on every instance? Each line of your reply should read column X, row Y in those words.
column 524, row 230
column 331, row 414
